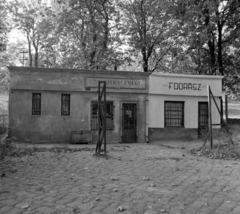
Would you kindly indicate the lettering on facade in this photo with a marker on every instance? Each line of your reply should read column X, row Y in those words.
column 184, row 86
column 116, row 83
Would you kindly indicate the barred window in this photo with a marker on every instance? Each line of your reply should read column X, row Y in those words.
column 65, row 104
column 109, row 115
column 174, row 114
column 36, row 104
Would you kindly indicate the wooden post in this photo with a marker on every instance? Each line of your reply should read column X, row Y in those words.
column 210, row 116
column 226, row 107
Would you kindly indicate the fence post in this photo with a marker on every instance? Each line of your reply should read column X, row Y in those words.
column 210, row 116
column 226, row 107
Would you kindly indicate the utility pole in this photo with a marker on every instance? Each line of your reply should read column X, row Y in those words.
column 22, row 57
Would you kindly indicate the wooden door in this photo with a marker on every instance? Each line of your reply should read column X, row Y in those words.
column 202, row 117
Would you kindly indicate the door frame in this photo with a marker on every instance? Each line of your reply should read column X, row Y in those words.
column 199, row 103
column 121, row 117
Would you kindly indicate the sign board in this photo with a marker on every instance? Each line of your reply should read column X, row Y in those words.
column 184, row 85
column 116, row 83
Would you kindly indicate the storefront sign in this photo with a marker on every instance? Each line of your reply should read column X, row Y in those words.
column 185, row 86
column 116, row 83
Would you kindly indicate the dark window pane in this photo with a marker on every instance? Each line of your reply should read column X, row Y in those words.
column 108, row 112
column 65, row 104
column 36, row 104
column 174, row 114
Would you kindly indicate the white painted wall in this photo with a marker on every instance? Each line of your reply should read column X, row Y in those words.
column 156, row 110
column 160, row 90
column 176, row 84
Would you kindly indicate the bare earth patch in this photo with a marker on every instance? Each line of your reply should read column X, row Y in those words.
column 224, row 152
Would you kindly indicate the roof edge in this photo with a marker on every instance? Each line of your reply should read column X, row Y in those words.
column 186, row 75
column 34, row 69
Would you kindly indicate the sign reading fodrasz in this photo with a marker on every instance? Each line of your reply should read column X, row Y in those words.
column 116, row 83
column 184, row 86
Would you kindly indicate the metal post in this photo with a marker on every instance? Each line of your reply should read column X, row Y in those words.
column 210, row 116
column 23, row 59
column 99, row 121
column 221, row 105
column 226, row 107
column 104, row 118
column 101, row 117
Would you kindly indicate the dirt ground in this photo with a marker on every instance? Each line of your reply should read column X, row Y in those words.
column 135, row 178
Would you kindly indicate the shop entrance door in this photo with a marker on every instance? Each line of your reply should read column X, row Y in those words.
column 129, row 123
column 202, row 118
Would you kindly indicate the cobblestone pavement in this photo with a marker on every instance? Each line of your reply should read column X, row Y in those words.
column 136, row 178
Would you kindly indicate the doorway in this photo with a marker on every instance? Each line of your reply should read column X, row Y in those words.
column 129, row 123
column 202, row 118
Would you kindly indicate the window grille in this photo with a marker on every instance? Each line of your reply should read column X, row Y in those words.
column 174, row 114
column 109, row 115
column 36, row 104
column 65, row 104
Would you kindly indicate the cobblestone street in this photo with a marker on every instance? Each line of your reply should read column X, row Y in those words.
column 136, row 178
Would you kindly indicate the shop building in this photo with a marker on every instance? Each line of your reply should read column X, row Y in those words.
column 48, row 105
column 178, row 105
column 51, row 105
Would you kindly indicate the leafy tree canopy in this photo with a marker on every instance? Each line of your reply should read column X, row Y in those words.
column 180, row 36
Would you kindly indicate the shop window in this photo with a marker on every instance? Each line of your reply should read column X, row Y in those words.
column 65, row 104
column 109, row 115
column 36, row 104
column 174, row 114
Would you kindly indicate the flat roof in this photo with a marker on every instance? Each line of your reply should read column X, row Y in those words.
column 85, row 71
column 160, row 74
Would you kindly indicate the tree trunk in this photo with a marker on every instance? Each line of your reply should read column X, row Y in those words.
column 219, row 43
column 145, row 60
column 144, row 38
column 35, row 45
column 94, row 39
column 36, row 58
column 29, row 51
column 211, row 47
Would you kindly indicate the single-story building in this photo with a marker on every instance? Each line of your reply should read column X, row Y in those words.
column 51, row 104
column 178, row 105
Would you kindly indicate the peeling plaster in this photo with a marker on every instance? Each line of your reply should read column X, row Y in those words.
column 57, row 82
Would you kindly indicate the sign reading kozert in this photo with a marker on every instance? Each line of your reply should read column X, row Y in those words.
column 185, row 86
column 116, row 83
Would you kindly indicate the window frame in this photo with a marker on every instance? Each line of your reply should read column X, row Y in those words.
column 182, row 112
column 36, row 103
column 65, row 104
column 94, row 121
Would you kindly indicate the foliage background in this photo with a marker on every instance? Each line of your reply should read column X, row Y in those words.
column 181, row 36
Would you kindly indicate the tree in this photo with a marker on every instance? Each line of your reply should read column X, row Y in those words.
column 88, row 26
column 4, row 25
column 9, row 57
column 210, row 28
column 32, row 18
column 149, row 29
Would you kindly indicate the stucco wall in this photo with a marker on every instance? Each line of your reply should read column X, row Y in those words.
column 184, row 85
column 51, row 126
column 49, row 79
column 190, row 89
column 156, row 106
